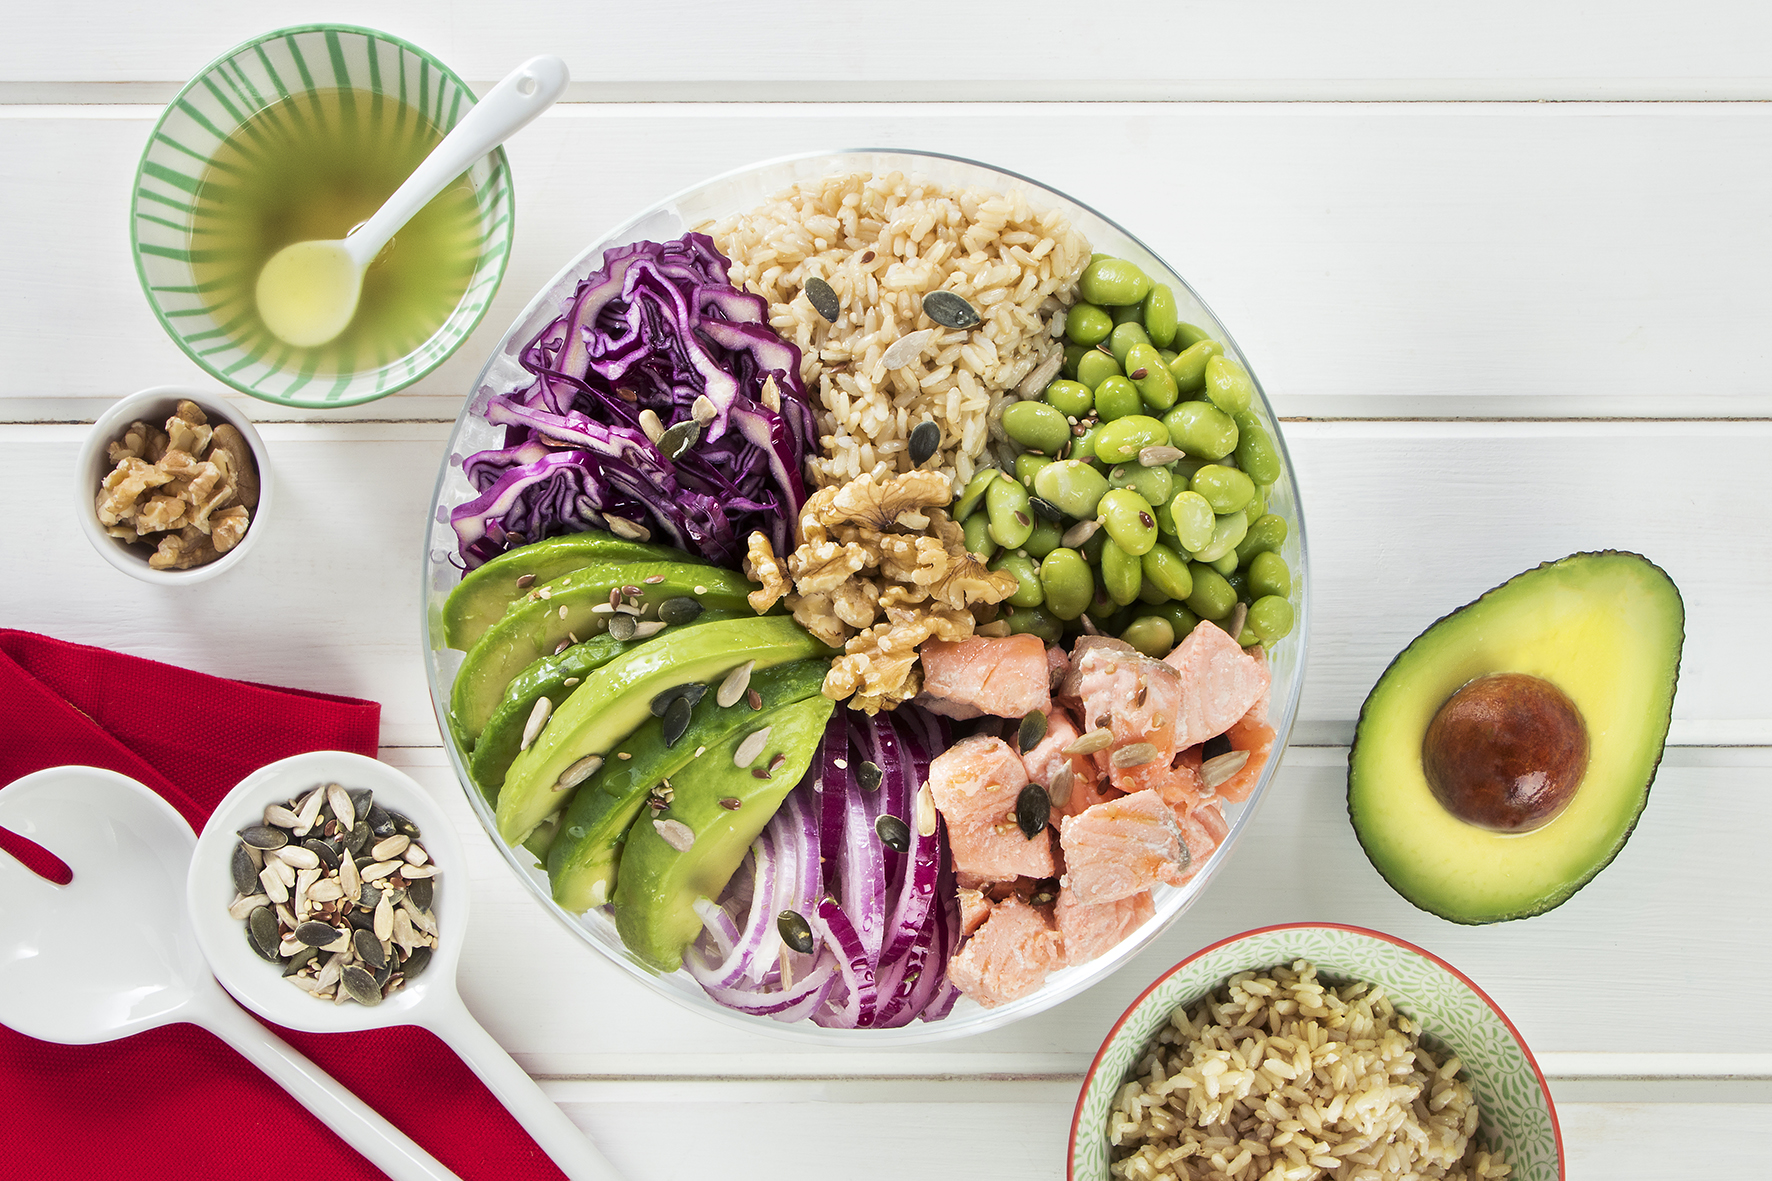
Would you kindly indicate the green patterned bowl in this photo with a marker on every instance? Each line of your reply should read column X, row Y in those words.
column 166, row 230
column 1517, row 1115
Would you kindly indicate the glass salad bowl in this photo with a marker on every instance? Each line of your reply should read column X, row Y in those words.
column 736, row 192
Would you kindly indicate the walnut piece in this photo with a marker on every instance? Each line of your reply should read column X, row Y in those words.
column 761, row 566
column 877, row 506
column 227, row 527
column 171, row 489
column 183, row 550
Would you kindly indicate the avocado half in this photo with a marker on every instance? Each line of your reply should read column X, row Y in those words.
column 1605, row 628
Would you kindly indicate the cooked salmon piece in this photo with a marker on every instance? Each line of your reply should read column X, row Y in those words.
column 974, row 909
column 976, row 783
column 1137, row 699
column 1202, row 831
column 1047, row 762
column 1006, row 676
column 1009, row 956
column 1118, row 848
column 1091, row 929
column 1219, row 683
column 1257, row 737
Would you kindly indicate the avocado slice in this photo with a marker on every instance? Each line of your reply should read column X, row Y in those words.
column 614, row 700
column 658, row 886
column 1606, row 630
column 582, row 862
column 480, row 599
column 566, row 608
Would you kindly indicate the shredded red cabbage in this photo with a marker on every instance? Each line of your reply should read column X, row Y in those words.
column 657, row 327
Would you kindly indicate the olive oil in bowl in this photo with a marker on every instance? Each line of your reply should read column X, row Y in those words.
column 312, row 167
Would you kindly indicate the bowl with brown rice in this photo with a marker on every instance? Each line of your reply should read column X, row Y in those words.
column 1314, row 1051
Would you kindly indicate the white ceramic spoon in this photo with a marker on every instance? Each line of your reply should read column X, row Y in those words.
column 429, row 1000
column 111, row 953
column 308, row 291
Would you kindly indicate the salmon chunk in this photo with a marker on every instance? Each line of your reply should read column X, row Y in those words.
column 975, row 908
column 1254, row 735
column 1006, row 676
column 1009, row 956
column 1047, row 762
column 1220, row 683
column 1116, row 849
column 1137, row 700
column 976, row 783
column 1202, row 831
column 1091, row 929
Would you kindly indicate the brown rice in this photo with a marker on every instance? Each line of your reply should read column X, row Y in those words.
column 1282, row 1077
column 882, row 243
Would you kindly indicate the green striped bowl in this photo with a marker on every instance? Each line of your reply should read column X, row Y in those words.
column 165, row 230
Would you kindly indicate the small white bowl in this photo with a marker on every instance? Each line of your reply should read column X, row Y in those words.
column 155, row 406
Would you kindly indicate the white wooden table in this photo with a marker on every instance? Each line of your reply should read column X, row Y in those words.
column 1504, row 269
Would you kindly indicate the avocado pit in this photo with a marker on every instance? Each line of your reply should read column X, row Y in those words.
column 1506, row 753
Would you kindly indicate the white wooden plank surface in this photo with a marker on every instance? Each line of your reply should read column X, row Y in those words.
column 1373, row 260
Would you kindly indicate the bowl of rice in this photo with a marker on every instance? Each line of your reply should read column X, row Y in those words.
column 1314, row 1051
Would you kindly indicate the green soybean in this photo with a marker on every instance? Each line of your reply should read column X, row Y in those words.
column 1157, row 386
column 1113, row 282
column 1012, row 519
column 1270, row 618
column 1129, row 520
column 1083, row 445
column 974, row 492
column 1132, row 313
column 1213, row 597
column 1188, row 335
column 1161, row 315
column 1116, row 397
column 1067, row 582
column 1266, row 535
column 1226, row 566
column 1126, row 337
column 1125, row 437
column 1226, row 489
column 1121, row 573
column 1227, row 531
column 1071, row 398
column 1256, row 509
column 1268, row 575
column 1074, row 486
column 1228, row 385
column 1036, row 426
column 1073, row 353
column 1189, row 366
column 978, row 537
column 1150, row 634
column 1028, row 592
column 1045, row 538
column 1202, row 430
column 1028, row 464
column 1239, row 580
column 1193, row 520
column 1086, row 324
column 1155, row 484
column 1180, row 618
column 1168, row 571
column 1035, row 621
column 1256, row 453
column 1094, row 546
column 1095, row 366
column 1152, row 595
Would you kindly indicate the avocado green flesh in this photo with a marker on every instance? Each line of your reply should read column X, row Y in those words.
column 1606, row 629
column 582, row 862
column 480, row 599
column 535, row 626
column 656, row 891
column 612, row 702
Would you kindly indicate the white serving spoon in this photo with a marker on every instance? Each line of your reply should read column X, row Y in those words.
column 111, row 953
column 308, row 291
column 429, row 1000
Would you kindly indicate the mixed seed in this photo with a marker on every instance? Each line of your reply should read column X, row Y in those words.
column 337, row 890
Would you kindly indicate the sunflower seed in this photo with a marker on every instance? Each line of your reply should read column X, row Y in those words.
column 244, row 905
column 675, row 722
column 679, row 439
column 703, row 409
column 329, row 890
column 1045, row 509
column 751, row 747
column 894, row 833
column 263, row 837
column 1223, row 768
column 1062, row 782
column 950, row 310
column 411, row 872
column 823, row 298
column 343, row 810
column 420, row 919
column 926, row 815
column 379, row 870
column 1077, row 534
column 1239, row 616
column 1032, row 731
column 795, row 931
column 676, row 834
column 925, row 441
column 645, row 631
column 280, row 817
column 1033, row 808
column 652, row 425
column 245, row 873
column 733, row 687
column 681, row 609
column 418, row 893
column 1088, row 744
column 361, row 985
column 869, row 776
column 309, row 811
column 1160, row 456
column 622, row 527
column 299, row 857
column 350, row 882
column 274, row 887
column 905, row 349
column 579, row 772
column 1135, row 754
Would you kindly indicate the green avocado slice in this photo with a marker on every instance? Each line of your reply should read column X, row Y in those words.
column 567, row 608
column 483, row 594
column 582, row 862
column 614, row 700
column 1606, row 629
column 655, row 893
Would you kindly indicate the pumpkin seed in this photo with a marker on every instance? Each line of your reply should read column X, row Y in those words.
column 417, row 960
column 676, row 722
column 681, row 609
column 1045, row 890
column 1045, row 509
column 676, row 834
column 315, row 933
column 925, row 440
column 418, row 893
column 692, row 692
column 904, row 350
column 950, row 310
column 894, row 833
column 358, row 838
column 733, row 687
column 328, row 852
column 621, row 627
column 751, row 747
column 361, row 985
column 379, row 823
column 261, row 932
column 1032, row 731
column 823, row 298
column 679, row 438
column 245, row 874
column 869, row 776
column 1219, row 770
column 1033, row 808
column 300, row 960
column 263, row 837
column 369, row 949
column 1087, row 744
column 1216, row 745
column 795, row 931
column 1134, row 754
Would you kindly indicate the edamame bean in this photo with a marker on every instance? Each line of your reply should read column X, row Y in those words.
column 1129, row 520
column 1095, row 366
column 1083, row 445
column 1228, row 385
column 1036, row 426
column 1256, row 453
column 1157, row 386
column 979, row 542
column 1151, row 635
column 1227, row 531
column 1226, row 489
column 1270, row 618
column 1113, row 282
column 1086, row 324
column 1155, row 484
column 1116, row 397
column 1072, row 354
column 1028, row 591
column 1180, row 618
column 1193, row 520
column 1094, row 546
column 1122, row 439
column 1168, row 571
column 1027, row 464
column 1072, row 398
column 1188, row 335
column 1213, row 597
column 1121, row 343
column 1226, row 566
column 1045, row 538
column 1035, row 621
column 1189, row 366
column 1257, row 508
column 1074, row 486
column 1012, row 518
column 1132, row 313
column 1266, row 535
column 1161, row 315
column 1202, row 430
column 1152, row 595
column 1239, row 580
column 1268, row 575
column 1067, row 582
column 1121, row 573
column 974, row 492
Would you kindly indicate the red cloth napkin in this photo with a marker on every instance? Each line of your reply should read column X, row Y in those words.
column 177, row 1102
